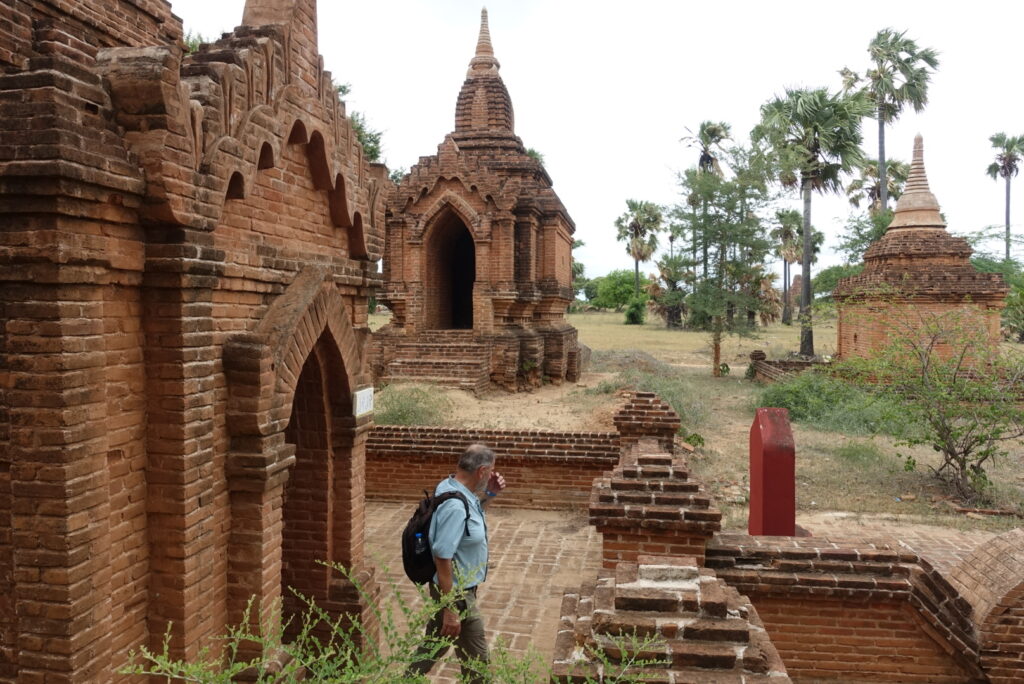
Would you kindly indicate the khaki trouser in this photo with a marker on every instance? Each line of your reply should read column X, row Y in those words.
column 470, row 645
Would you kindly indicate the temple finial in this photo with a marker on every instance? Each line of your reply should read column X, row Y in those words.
column 483, row 61
column 483, row 45
column 917, row 206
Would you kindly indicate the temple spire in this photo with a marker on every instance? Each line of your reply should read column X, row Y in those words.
column 917, row 206
column 483, row 61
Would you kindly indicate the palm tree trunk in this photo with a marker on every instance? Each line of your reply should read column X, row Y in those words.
column 787, row 311
column 883, row 183
column 636, row 277
column 1007, row 218
column 806, row 331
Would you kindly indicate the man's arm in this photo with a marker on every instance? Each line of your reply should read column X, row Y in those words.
column 451, row 625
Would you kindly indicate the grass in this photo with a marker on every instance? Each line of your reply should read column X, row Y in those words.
column 411, row 404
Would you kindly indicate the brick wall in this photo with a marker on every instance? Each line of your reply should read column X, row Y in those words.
column 852, row 613
column 543, row 469
column 93, row 23
column 854, row 641
column 992, row 581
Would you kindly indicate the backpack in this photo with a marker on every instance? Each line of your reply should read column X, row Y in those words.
column 419, row 562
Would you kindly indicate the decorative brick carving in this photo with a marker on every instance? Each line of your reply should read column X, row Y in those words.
column 705, row 631
column 478, row 274
column 915, row 269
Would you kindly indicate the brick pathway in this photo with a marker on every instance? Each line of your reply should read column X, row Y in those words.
column 537, row 555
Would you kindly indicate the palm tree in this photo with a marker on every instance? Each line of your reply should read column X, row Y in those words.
column 899, row 76
column 787, row 247
column 817, row 136
column 869, row 188
column 638, row 228
column 1010, row 151
column 709, row 139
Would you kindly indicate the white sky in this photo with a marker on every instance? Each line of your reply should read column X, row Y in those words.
column 606, row 90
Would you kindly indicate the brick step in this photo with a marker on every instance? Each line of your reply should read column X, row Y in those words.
column 621, row 484
column 437, row 367
column 655, row 459
column 405, row 349
column 654, row 498
column 475, row 385
column 658, row 472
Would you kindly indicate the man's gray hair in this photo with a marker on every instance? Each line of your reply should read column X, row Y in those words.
column 476, row 455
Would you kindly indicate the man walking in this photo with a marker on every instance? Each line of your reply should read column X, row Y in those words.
column 461, row 560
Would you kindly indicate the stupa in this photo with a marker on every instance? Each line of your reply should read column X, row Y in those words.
column 915, row 270
column 478, row 265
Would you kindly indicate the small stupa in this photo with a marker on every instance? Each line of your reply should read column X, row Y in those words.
column 917, row 268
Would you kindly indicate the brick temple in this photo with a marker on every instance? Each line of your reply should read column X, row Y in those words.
column 187, row 248
column 916, row 269
column 478, row 271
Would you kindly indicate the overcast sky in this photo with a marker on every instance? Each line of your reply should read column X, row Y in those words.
column 605, row 91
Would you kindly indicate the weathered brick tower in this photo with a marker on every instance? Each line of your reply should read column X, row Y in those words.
column 916, row 269
column 478, row 269
column 186, row 252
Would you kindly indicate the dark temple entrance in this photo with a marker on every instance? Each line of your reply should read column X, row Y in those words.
column 451, row 272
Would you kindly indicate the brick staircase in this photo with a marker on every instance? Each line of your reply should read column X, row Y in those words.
column 648, row 505
column 452, row 358
column 701, row 630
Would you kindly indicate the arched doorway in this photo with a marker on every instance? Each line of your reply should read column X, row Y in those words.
column 311, row 515
column 451, row 273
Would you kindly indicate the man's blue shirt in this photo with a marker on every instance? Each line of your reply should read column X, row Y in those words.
column 448, row 538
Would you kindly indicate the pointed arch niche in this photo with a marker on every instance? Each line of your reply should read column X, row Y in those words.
column 449, row 273
column 297, row 453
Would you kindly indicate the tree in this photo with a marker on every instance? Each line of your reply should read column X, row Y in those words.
column 667, row 291
column 368, row 137
column 638, row 228
column 579, row 280
column 709, row 138
column 816, row 135
column 861, row 231
column 1010, row 149
column 868, row 188
column 614, row 290
column 788, row 247
column 1013, row 273
column 827, row 279
column 898, row 76
column 736, row 237
column 959, row 391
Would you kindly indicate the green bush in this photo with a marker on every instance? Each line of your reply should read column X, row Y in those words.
column 347, row 653
column 830, row 404
column 636, row 311
column 410, row 404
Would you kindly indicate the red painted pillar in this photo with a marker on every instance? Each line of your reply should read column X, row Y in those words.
column 772, row 474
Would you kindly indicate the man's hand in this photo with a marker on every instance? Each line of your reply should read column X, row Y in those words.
column 495, row 483
column 451, row 624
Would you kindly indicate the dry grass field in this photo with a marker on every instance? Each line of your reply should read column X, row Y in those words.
column 859, row 474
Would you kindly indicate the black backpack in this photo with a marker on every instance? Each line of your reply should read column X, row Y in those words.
column 419, row 563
